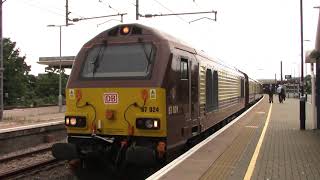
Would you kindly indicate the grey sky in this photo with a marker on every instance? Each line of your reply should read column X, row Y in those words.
column 253, row 35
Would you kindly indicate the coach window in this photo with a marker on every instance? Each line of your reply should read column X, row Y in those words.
column 242, row 88
column 215, row 87
column 184, row 68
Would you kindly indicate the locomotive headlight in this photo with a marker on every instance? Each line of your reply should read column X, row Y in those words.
column 125, row 30
column 76, row 121
column 148, row 123
column 155, row 124
column 73, row 121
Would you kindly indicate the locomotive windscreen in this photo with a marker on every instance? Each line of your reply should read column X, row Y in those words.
column 119, row 61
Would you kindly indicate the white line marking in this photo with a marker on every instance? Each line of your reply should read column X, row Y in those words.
column 251, row 126
column 187, row 154
column 19, row 128
column 261, row 112
column 255, row 155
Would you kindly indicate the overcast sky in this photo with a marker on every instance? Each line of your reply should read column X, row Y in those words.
column 252, row 35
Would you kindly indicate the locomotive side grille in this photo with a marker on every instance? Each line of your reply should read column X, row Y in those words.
column 229, row 86
column 202, row 88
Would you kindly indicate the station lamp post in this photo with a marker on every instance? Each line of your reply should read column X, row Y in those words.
column 60, row 68
column 317, row 48
column 1, row 63
column 302, row 98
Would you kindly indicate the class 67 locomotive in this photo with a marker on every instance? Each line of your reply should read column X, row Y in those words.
column 137, row 95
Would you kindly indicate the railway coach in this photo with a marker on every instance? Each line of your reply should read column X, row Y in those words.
column 135, row 95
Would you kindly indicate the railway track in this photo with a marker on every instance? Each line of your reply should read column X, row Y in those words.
column 26, row 154
column 28, row 169
column 19, row 170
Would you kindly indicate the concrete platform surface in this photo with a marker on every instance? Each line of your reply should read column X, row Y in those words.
column 282, row 152
column 29, row 116
column 288, row 152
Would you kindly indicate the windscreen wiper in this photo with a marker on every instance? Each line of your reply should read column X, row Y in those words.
column 148, row 57
column 97, row 58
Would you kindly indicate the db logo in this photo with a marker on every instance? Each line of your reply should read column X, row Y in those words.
column 110, row 98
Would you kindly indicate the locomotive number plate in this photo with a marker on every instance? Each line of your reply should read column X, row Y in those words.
column 150, row 109
column 110, row 98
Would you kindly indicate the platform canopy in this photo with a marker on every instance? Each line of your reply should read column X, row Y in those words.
column 66, row 61
column 267, row 81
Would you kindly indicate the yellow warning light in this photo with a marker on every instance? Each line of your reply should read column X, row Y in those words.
column 125, row 30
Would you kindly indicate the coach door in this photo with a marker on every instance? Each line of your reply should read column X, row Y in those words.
column 189, row 89
column 185, row 88
column 194, row 96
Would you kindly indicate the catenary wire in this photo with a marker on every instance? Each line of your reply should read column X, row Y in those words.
column 170, row 11
column 109, row 5
column 42, row 8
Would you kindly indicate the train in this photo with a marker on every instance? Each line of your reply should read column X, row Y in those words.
column 136, row 95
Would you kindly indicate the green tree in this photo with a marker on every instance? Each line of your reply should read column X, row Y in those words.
column 52, row 69
column 16, row 73
column 31, row 94
column 47, row 87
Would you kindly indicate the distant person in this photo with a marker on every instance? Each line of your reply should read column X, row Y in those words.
column 279, row 93
column 283, row 93
column 270, row 92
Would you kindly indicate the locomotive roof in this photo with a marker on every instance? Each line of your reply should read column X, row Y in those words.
column 178, row 43
column 173, row 41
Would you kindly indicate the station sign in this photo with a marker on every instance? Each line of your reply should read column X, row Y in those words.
column 287, row 76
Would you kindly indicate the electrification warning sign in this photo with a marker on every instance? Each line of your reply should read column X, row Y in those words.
column 153, row 94
column 71, row 94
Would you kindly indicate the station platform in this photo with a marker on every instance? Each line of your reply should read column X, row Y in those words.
column 16, row 118
column 264, row 143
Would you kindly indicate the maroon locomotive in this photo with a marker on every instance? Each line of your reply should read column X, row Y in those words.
column 135, row 95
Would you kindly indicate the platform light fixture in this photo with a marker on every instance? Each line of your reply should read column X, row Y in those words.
column 60, row 69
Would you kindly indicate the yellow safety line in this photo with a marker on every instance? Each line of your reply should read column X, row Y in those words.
column 257, row 150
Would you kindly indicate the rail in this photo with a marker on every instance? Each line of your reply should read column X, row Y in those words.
column 14, row 172
column 26, row 154
column 26, row 169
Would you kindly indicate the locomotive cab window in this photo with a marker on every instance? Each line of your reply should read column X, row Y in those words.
column 184, row 69
column 119, row 61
